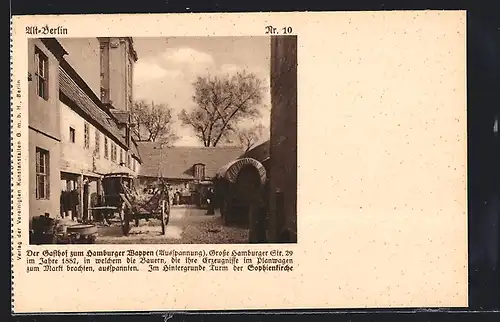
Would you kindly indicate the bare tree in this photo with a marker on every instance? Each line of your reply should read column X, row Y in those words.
column 222, row 103
column 248, row 137
column 154, row 122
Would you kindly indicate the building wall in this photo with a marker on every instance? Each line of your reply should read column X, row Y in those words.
column 50, row 205
column 84, row 57
column 283, row 148
column 75, row 157
column 43, row 114
column 44, row 132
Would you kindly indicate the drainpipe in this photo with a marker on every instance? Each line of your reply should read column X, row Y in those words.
column 80, row 192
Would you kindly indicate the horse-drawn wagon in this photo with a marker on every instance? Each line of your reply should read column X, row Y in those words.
column 240, row 189
column 121, row 198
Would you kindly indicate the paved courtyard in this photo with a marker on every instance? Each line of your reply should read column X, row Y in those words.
column 186, row 226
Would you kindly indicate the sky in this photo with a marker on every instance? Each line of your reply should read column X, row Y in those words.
column 167, row 67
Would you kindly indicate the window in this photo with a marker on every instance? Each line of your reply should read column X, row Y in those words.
column 86, row 138
column 133, row 164
column 106, row 151
column 42, row 73
column 97, row 149
column 129, row 164
column 199, row 171
column 121, row 156
column 113, row 152
column 42, row 174
column 72, row 135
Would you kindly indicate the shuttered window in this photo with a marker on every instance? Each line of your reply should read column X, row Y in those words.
column 86, row 136
column 106, row 148
column 42, row 174
column 97, row 149
column 42, row 71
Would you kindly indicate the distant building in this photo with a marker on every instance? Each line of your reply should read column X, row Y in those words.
column 183, row 168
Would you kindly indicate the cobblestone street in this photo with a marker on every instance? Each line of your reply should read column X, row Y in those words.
column 186, row 226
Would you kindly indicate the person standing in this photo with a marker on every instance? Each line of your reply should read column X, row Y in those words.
column 211, row 202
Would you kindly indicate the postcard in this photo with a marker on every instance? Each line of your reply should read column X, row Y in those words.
column 180, row 162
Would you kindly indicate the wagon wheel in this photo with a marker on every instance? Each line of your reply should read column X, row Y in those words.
column 125, row 219
column 165, row 215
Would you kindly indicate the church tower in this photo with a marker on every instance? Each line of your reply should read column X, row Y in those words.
column 117, row 61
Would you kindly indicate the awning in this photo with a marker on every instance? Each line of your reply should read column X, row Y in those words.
column 231, row 170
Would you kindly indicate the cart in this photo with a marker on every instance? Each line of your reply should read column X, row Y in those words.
column 120, row 197
column 240, row 186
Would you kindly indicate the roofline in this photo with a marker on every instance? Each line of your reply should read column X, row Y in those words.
column 138, row 157
column 85, row 87
column 164, row 177
column 55, row 47
column 74, row 106
column 132, row 50
column 234, row 147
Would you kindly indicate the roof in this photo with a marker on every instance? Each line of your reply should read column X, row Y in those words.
column 135, row 150
column 132, row 50
column 69, row 88
column 55, row 47
column 178, row 162
column 260, row 152
column 231, row 170
column 121, row 116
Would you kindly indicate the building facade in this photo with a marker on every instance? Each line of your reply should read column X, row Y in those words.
column 79, row 133
column 96, row 132
column 44, row 126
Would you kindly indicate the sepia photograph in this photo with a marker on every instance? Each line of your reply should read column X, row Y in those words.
column 164, row 140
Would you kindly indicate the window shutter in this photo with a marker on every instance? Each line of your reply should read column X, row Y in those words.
column 37, row 166
column 37, row 69
column 37, row 162
column 47, row 172
column 37, row 62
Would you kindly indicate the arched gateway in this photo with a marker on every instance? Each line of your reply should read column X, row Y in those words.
column 239, row 188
